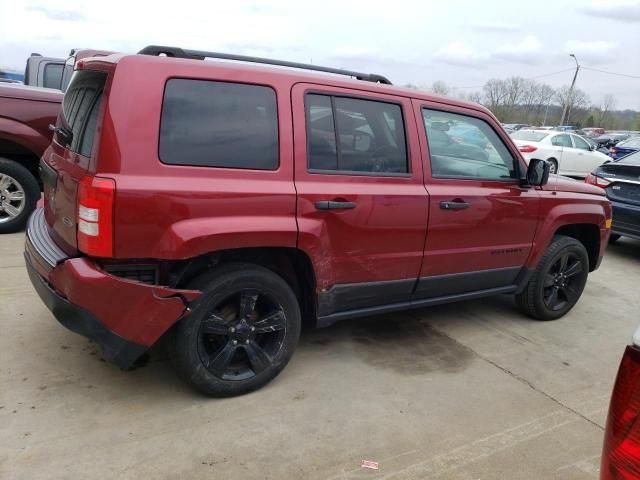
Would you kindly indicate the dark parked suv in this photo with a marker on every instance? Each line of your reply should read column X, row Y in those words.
column 221, row 204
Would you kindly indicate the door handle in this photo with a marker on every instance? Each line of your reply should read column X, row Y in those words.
column 454, row 205
column 334, row 205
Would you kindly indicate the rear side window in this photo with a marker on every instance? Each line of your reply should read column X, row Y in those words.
column 53, row 75
column 355, row 135
column 219, row 124
column 80, row 109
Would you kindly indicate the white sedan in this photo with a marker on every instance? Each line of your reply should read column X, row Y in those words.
column 568, row 154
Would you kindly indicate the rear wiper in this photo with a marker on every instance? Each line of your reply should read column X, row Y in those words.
column 63, row 132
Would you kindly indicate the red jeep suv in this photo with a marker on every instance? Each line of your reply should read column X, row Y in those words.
column 221, row 203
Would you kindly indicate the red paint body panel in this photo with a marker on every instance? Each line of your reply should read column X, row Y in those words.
column 135, row 311
column 25, row 115
column 379, row 240
column 497, row 229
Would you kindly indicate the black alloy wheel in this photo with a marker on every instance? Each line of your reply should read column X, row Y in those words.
column 242, row 332
column 242, row 335
column 558, row 280
column 562, row 281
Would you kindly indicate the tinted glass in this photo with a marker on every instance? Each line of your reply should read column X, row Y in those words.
column 219, row 124
column 561, row 141
column 528, row 135
column 631, row 143
column 321, row 134
column 633, row 159
column 53, row 75
column 81, row 107
column 354, row 135
column 465, row 147
column 580, row 143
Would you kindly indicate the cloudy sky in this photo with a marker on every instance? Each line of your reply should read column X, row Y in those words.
column 462, row 42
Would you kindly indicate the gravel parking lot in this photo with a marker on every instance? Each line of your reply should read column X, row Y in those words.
column 463, row 391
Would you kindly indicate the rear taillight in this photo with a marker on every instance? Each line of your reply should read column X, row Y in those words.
column 95, row 216
column 527, row 148
column 596, row 180
column 621, row 450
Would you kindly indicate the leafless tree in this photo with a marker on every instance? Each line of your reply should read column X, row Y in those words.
column 440, row 88
column 608, row 104
column 577, row 100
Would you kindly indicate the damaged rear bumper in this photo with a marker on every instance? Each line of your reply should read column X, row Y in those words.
column 125, row 317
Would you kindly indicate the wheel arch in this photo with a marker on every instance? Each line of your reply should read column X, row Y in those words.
column 290, row 263
column 22, row 155
column 586, row 233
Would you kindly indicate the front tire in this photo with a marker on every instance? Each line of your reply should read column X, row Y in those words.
column 19, row 193
column 241, row 334
column 558, row 280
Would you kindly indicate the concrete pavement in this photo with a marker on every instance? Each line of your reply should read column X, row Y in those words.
column 463, row 391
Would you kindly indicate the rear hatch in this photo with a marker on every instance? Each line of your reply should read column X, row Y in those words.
column 70, row 156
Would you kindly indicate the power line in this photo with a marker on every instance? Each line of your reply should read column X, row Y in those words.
column 529, row 78
column 611, row 73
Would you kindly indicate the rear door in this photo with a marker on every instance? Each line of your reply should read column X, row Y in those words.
column 70, row 153
column 362, row 206
column 481, row 221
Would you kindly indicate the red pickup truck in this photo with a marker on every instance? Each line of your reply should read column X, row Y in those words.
column 220, row 204
column 25, row 116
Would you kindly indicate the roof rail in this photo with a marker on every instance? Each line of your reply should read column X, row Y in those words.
column 201, row 55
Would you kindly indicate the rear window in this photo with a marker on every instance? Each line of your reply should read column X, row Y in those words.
column 80, row 109
column 219, row 124
column 631, row 143
column 528, row 135
column 633, row 159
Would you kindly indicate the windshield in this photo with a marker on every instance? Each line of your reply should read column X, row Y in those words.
column 528, row 135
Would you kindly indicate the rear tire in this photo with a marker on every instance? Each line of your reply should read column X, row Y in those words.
column 553, row 163
column 241, row 334
column 19, row 193
column 558, row 280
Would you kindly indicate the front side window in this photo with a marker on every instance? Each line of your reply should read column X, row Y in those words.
column 80, row 109
column 580, row 143
column 465, row 147
column 561, row 141
column 218, row 124
column 355, row 135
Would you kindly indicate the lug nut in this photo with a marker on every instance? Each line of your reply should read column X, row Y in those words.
column 247, row 342
column 253, row 329
column 232, row 329
column 234, row 342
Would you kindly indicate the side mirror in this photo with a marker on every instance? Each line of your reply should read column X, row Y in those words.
column 538, row 172
column 592, row 147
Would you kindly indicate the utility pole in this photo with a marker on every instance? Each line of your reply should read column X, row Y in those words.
column 565, row 110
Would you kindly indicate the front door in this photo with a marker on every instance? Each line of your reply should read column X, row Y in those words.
column 481, row 221
column 566, row 156
column 362, row 205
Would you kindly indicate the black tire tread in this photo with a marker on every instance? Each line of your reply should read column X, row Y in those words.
column 209, row 282
column 528, row 300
